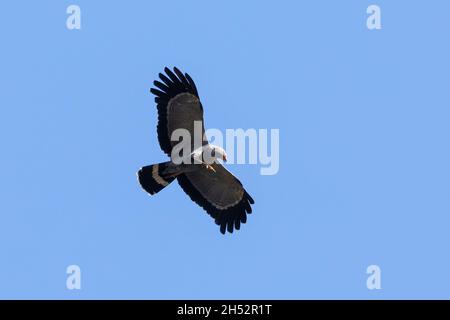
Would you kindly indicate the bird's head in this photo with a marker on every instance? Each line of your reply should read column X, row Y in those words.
column 219, row 153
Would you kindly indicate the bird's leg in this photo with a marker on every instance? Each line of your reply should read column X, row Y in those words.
column 210, row 168
column 173, row 175
column 172, row 171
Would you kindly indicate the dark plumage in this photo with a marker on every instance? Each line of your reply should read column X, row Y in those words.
column 211, row 186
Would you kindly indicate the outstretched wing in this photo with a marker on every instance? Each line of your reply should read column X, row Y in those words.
column 178, row 106
column 220, row 193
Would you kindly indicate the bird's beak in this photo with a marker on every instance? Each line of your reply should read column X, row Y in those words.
column 225, row 158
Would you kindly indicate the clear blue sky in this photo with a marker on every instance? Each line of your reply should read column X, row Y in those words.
column 364, row 153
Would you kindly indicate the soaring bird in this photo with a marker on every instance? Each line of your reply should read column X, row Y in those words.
column 208, row 183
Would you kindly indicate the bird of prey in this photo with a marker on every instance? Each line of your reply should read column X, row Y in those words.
column 207, row 183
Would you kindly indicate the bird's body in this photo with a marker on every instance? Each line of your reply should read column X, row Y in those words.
column 198, row 171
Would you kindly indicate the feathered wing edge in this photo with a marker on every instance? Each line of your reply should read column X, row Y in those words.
column 227, row 219
column 173, row 84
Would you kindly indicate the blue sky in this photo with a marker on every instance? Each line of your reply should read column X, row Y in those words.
column 364, row 158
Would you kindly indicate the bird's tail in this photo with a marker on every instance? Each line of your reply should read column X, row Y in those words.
column 156, row 177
